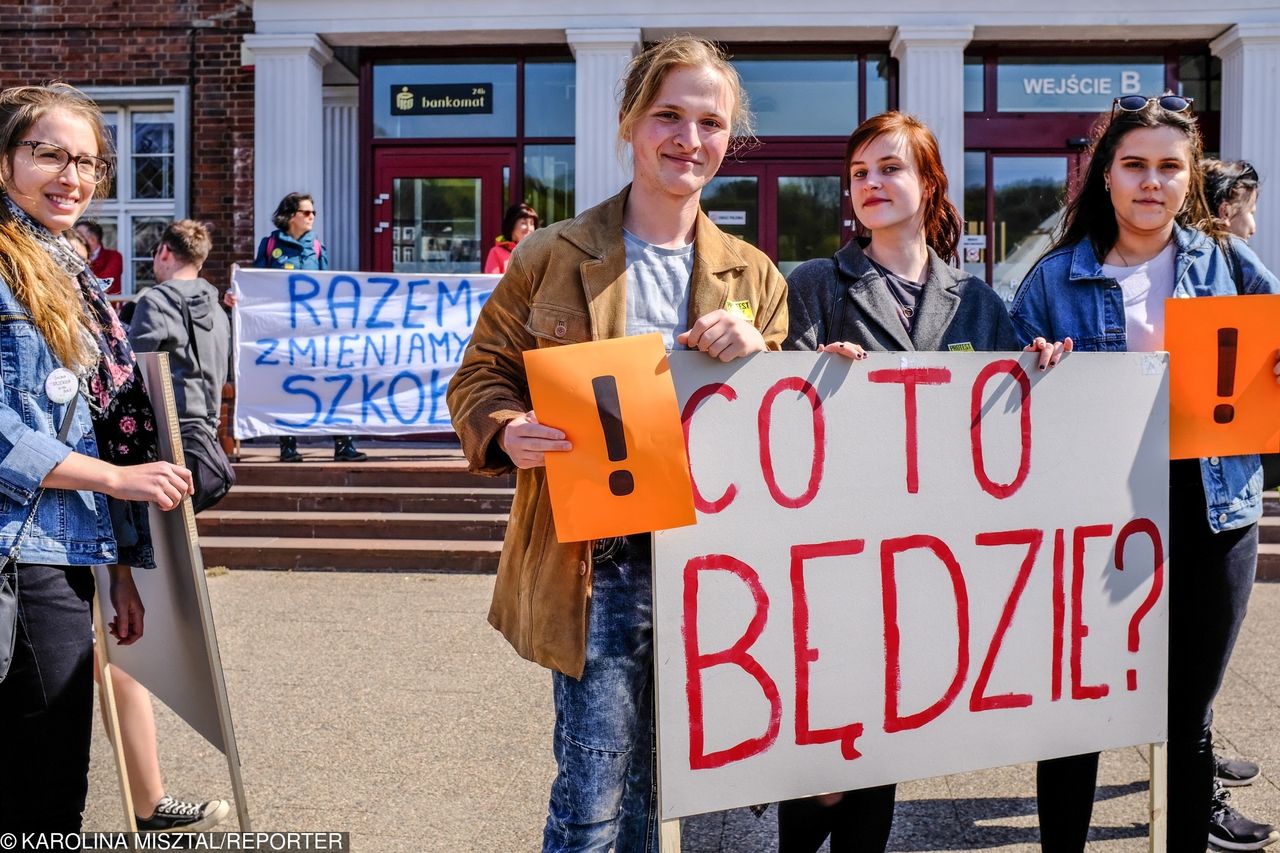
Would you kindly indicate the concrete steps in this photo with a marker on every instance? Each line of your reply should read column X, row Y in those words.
column 407, row 509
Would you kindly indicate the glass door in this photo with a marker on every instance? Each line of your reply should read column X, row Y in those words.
column 1013, row 204
column 437, row 213
column 790, row 211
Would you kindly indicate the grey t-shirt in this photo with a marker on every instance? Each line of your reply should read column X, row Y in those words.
column 657, row 288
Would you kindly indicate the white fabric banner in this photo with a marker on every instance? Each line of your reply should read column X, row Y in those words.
column 337, row 353
column 909, row 566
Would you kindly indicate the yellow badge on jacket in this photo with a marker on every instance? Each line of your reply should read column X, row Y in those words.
column 740, row 309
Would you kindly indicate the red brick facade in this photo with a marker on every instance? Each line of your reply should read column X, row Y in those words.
column 192, row 43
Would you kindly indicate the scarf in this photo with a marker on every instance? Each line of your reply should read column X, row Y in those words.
column 123, row 420
column 102, row 384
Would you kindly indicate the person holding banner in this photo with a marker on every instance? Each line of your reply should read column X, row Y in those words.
column 649, row 260
column 890, row 289
column 1137, row 233
column 293, row 246
column 519, row 222
column 76, row 431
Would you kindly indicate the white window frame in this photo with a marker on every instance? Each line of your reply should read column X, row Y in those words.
column 141, row 99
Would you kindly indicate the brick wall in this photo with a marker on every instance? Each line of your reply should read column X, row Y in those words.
column 195, row 43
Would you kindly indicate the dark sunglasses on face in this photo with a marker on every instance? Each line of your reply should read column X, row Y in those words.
column 306, row 212
column 1137, row 103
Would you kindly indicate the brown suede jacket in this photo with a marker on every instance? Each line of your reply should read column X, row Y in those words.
column 566, row 284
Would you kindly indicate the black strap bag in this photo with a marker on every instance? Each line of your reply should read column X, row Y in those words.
column 211, row 471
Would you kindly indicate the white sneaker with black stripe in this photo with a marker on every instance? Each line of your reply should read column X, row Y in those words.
column 180, row 816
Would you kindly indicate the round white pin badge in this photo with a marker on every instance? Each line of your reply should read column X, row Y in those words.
column 61, row 385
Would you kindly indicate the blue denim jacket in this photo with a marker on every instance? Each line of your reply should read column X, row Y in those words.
column 1068, row 295
column 71, row 528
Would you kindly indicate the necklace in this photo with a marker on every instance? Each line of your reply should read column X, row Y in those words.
column 885, row 274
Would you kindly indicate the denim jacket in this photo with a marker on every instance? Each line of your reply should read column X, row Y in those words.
column 70, row 528
column 1068, row 295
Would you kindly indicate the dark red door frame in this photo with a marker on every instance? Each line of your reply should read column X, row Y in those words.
column 485, row 163
column 767, row 172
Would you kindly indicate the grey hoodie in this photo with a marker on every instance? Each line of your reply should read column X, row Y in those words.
column 158, row 326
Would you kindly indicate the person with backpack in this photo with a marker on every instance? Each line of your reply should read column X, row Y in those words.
column 293, row 246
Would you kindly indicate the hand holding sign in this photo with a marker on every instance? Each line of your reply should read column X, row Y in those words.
column 614, row 404
column 1223, row 397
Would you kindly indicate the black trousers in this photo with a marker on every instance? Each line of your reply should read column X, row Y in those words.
column 46, row 702
column 1210, row 578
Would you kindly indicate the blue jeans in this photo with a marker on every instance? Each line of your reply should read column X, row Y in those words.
column 605, row 791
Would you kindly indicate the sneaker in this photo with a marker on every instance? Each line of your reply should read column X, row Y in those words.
column 179, row 816
column 347, row 452
column 1231, row 830
column 1233, row 772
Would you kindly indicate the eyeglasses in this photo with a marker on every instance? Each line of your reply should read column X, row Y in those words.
column 50, row 158
column 1137, row 103
column 306, row 212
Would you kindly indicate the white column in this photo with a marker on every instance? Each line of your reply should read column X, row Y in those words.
column 931, row 88
column 1250, row 56
column 288, row 121
column 340, row 217
column 601, row 57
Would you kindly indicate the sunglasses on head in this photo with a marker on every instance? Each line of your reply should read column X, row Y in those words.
column 1137, row 103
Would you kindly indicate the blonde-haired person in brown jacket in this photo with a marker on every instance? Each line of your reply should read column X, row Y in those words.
column 645, row 260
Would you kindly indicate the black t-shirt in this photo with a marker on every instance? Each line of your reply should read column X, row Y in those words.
column 905, row 292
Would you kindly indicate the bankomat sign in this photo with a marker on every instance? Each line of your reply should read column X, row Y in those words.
column 442, row 99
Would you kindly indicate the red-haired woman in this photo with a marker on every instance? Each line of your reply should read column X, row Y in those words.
column 890, row 289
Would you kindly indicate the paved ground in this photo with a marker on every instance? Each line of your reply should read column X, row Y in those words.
column 385, row 706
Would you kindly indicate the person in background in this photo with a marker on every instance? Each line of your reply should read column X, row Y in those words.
column 651, row 262
column 159, row 325
column 1137, row 233
column 519, row 222
column 77, row 244
column 1231, row 191
column 107, row 264
column 76, row 433
column 294, row 246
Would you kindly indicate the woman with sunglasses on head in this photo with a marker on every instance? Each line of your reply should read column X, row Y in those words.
column 1138, row 232
column 890, row 289
column 293, row 246
column 76, row 431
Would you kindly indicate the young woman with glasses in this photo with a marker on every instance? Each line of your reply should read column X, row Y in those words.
column 76, row 431
column 890, row 289
column 1139, row 232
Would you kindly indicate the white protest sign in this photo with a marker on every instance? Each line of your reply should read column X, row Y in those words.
column 909, row 566
column 349, row 352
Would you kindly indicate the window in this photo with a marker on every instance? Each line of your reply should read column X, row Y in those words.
column 148, row 126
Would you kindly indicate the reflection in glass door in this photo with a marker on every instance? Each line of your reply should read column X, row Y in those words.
column 437, row 213
column 1015, row 202
column 435, row 226
column 789, row 211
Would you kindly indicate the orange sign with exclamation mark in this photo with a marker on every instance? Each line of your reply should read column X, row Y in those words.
column 1223, row 396
column 615, row 401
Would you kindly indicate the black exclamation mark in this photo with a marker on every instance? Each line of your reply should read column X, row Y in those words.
column 1224, row 413
column 621, row 483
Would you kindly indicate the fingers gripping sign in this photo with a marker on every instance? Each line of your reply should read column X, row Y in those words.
column 526, row 441
column 724, row 335
column 1051, row 352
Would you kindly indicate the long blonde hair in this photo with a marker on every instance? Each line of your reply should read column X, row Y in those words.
column 35, row 279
